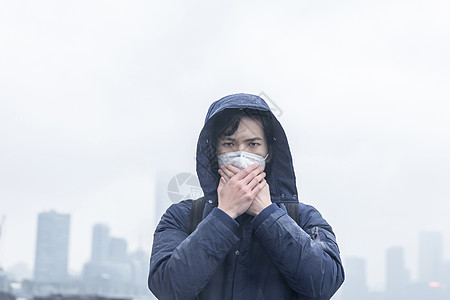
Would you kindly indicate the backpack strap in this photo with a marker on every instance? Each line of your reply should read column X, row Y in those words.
column 197, row 208
column 292, row 210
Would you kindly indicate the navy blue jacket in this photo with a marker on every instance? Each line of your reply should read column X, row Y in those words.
column 264, row 257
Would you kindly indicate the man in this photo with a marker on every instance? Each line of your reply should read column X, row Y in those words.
column 254, row 239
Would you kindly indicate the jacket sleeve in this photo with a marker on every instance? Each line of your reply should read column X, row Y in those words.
column 182, row 264
column 306, row 255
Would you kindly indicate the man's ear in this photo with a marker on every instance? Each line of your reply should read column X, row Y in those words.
column 269, row 158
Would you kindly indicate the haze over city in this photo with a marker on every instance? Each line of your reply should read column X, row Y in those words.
column 101, row 104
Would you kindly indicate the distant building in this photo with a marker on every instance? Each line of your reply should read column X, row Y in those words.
column 117, row 250
column 19, row 271
column 397, row 277
column 109, row 271
column 52, row 247
column 4, row 282
column 100, row 243
column 431, row 257
column 355, row 285
column 446, row 276
column 139, row 261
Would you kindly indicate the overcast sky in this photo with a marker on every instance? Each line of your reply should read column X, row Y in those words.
column 99, row 97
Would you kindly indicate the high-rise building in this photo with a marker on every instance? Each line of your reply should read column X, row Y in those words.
column 117, row 250
column 431, row 257
column 52, row 247
column 397, row 276
column 355, row 285
column 109, row 270
column 100, row 243
column 446, row 276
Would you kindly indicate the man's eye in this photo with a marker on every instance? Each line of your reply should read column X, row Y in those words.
column 254, row 144
column 228, row 144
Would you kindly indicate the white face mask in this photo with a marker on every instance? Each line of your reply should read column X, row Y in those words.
column 241, row 159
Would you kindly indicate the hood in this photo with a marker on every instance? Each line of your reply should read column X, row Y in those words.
column 281, row 179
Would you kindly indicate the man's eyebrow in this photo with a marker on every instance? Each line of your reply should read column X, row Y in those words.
column 247, row 140
column 227, row 139
column 254, row 139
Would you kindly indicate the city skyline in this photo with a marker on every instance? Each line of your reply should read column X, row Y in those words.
column 111, row 271
column 107, row 248
column 53, row 234
column 96, row 102
column 433, row 281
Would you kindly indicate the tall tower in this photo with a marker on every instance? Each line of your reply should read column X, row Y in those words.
column 117, row 250
column 52, row 247
column 355, row 286
column 397, row 276
column 100, row 243
column 431, row 258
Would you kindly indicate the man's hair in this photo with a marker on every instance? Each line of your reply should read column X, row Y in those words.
column 227, row 122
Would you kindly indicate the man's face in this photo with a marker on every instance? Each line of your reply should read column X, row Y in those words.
column 248, row 137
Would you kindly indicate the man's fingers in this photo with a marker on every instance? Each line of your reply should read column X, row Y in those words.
column 233, row 169
column 254, row 183
column 255, row 172
column 224, row 171
column 244, row 172
column 258, row 188
column 247, row 174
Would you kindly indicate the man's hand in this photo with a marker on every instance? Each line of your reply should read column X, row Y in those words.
column 261, row 200
column 236, row 193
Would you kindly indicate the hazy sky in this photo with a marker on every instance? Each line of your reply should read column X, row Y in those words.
column 99, row 97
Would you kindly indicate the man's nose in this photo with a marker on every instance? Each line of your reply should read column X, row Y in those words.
column 241, row 147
